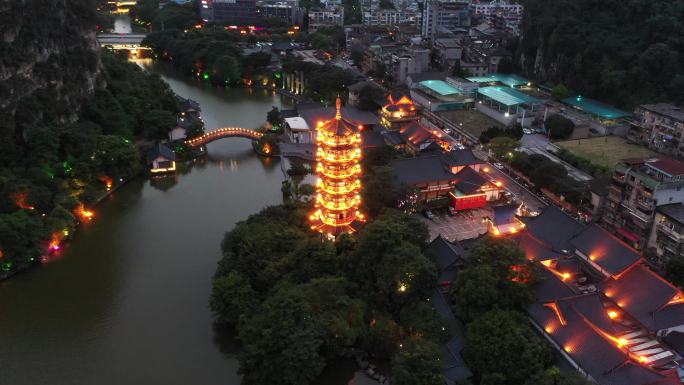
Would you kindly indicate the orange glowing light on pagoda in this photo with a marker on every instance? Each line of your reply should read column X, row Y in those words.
column 338, row 152
column 612, row 314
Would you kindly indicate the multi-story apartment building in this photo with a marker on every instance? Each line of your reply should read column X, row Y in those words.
column 496, row 7
column 449, row 51
column 236, row 12
column 287, row 11
column 331, row 15
column 444, row 16
column 409, row 60
column 638, row 187
column 501, row 15
column 667, row 235
column 660, row 126
column 391, row 17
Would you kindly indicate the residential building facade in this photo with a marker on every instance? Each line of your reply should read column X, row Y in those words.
column 637, row 188
column 444, row 16
column 661, row 127
column 236, row 12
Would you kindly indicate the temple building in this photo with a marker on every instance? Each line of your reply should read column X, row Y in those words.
column 399, row 111
column 338, row 152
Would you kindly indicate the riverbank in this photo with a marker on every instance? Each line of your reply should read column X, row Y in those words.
column 147, row 256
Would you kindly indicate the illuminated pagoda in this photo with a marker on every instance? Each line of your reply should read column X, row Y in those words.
column 338, row 151
column 398, row 111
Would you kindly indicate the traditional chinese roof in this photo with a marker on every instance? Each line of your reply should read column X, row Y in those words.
column 455, row 158
column 446, row 254
column 314, row 113
column 160, row 150
column 605, row 250
column 550, row 287
column 576, row 324
column 339, row 124
column 535, row 249
column 421, row 169
column 554, row 228
column 647, row 297
column 469, row 181
column 454, row 368
column 415, row 133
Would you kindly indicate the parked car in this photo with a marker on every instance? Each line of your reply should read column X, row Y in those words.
column 527, row 131
column 499, row 166
column 428, row 214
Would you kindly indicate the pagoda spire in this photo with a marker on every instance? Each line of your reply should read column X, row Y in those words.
column 338, row 106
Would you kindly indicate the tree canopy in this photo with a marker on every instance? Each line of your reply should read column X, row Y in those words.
column 296, row 298
column 625, row 53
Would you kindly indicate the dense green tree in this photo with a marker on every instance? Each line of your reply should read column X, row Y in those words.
column 226, row 70
column 282, row 341
column 417, row 362
column 21, row 236
column 502, row 146
column 548, row 173
column 196, row 129
column 389, row 261
column 559, row 126
column 500, row 344
column 380, row 190
column 560, row 92
column 116, row 157
column 157, row 123
column 621, row 53
column 497, row 276
column 275, row 118
column 232, row 296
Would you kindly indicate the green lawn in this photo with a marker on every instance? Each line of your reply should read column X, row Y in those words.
column 473, row 121
column 605, row 151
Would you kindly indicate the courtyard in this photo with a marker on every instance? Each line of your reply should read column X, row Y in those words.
column 464, row 225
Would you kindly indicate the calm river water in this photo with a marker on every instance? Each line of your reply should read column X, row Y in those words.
column 127, row 303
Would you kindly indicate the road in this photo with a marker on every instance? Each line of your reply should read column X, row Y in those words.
column 528, row 197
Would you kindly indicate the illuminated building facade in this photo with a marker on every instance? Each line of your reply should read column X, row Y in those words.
column 399, row 111
column 338, row 152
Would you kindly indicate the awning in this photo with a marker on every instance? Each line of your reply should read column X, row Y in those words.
column 628, row 234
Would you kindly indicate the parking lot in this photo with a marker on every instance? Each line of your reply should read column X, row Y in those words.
column 464, row 225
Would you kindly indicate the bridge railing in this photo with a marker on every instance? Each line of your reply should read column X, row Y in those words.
column 226, row 132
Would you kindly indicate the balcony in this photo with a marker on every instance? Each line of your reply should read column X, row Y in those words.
column 670, row 233
column 646, row 205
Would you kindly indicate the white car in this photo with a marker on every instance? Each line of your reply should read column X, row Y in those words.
column 499, row 166
column 527, row 131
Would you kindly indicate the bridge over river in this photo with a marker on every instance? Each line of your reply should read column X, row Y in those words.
column 131, row 42
column 226, row 132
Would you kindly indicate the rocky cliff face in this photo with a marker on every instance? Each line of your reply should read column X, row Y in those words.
column 48, row 53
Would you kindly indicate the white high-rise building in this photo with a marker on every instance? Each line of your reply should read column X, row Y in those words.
column 445, row 16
